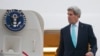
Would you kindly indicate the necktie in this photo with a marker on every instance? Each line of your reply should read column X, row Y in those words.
column 73, row 35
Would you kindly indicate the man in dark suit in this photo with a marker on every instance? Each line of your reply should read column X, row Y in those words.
column 76, row 37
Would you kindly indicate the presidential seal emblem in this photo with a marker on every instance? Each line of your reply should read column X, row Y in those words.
column 14, row 20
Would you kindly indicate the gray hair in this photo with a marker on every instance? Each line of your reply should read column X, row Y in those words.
column 75, row 9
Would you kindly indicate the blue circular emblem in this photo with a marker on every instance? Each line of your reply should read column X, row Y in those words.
column 14, row 20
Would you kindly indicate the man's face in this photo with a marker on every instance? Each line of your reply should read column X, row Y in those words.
column 72, row 18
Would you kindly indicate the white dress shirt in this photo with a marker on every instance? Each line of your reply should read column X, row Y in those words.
column 76, row 29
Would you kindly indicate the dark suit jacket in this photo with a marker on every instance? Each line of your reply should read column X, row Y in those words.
column 85, row 37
